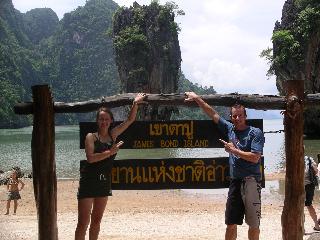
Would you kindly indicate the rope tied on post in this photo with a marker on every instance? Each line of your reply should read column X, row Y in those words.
column 293, row 106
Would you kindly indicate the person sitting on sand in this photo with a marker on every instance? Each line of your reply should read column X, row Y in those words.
column 13, row 191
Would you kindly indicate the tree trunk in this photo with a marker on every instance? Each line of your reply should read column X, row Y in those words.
column 43, row 163
column 292, row 213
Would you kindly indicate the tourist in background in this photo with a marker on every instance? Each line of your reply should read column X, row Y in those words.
column 14, row 186
column 310, row 183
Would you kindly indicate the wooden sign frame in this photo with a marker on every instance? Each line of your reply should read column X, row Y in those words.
column 171, row 173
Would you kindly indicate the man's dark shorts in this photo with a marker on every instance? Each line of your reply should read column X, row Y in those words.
column 244, row 199
column 309, row 189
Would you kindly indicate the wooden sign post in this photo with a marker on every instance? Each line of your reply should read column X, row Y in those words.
column 43, row 163
column 292, row 214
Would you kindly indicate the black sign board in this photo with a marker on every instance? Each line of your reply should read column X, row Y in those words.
column 169, row 134
column 174, row 173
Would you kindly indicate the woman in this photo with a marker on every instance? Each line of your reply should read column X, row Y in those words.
column 95, row 172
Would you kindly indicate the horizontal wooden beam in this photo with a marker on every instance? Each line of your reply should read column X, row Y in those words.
column 253, row 101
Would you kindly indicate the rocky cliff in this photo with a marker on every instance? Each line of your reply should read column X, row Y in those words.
column 147, row 49
column 296, row 52
column 296, row 44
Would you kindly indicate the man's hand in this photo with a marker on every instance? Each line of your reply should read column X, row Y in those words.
column 190, row 96
column 229, row 147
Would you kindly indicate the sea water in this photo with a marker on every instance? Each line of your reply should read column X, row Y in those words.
column 15, row 149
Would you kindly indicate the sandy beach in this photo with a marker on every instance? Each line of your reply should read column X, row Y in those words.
column 157, row 214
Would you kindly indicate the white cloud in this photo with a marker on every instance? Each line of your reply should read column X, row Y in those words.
column 219, row 50
column 59, row 6
column 220, row 40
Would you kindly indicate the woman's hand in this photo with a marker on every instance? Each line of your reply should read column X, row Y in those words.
column 116, row 131
column 139, row 98
column 115, row 147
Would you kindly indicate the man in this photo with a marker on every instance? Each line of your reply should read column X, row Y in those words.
column 310, row 183
column 245, row 147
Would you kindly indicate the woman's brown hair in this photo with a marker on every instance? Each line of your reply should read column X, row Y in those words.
column 104, row 109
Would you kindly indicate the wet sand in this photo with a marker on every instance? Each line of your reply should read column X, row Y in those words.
column 156, row 214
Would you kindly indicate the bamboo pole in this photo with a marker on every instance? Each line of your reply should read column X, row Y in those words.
column 43, row 163
column 253, row 101
column 292, row 213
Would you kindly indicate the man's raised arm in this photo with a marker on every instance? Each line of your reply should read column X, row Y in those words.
column 213, row 114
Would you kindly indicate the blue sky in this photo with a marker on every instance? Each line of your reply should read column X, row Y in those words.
column 220, row 40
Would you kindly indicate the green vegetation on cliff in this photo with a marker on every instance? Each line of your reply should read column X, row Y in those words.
column 74, row 56
column 40, row 23
column 18, row 65
column 147, row 47
column 291, row 39
column 79, row 59
column 296, row 53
